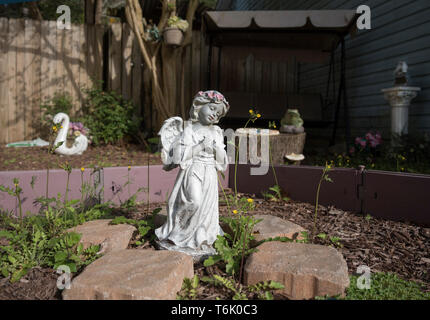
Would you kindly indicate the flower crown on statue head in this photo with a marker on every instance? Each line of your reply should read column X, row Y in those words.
column 214, row 96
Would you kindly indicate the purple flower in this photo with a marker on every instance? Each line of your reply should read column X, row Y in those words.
column 374, row 140
column 361, row 142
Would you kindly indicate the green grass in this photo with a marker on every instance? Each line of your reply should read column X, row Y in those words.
column 386, row 286
column 383, row 286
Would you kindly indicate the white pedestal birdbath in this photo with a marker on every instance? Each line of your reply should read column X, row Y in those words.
column 400, row 97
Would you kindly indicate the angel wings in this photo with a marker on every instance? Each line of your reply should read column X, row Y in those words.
column 170, row 134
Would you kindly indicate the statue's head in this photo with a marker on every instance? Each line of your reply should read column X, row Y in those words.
column 293, row 113
column 208, row 107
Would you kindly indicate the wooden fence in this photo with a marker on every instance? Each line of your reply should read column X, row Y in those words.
column 127, row 75
column 37, row 60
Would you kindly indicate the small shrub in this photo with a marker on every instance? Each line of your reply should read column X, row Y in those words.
column 60, row 102
column 109, row 117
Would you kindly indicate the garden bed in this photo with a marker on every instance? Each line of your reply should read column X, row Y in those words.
column 37, row 158
column 384, row 246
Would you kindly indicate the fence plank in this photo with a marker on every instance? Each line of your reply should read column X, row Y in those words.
column 115, row 55
column 98, row 43
column 83, row 77
column 258, row 65
column 196, row 59
column 90, row 57
column 59, row 65
column 74, row 67
column 127, row 48
column 136, row 76
column 52, row 56
column 68, row 63
column 31, row 78
column 36, row 69
column 204, row 53
column 4, row 80
column 19, row 115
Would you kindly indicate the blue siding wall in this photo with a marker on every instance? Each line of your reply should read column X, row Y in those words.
column 400, row 31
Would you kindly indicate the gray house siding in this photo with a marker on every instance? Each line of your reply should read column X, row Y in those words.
column 400, row 31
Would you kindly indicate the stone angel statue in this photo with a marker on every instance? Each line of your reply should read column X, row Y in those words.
column 197, row 148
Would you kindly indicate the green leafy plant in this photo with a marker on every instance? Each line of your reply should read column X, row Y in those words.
column 386, row 286
column 189, row 289
column 69, row 252
column 15, row 193
column 324, row 177
column 263, row 290
column 25, row 249
column 176, row 22
column 232, row 248
column 275, row 194
column 109, row 117
column 144, row 227
column 41, row 240
column 60, row 102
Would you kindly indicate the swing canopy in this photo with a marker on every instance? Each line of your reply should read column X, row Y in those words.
column 311, row 36
column 320, row 30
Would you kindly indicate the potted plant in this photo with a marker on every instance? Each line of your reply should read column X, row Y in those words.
column 174, row 33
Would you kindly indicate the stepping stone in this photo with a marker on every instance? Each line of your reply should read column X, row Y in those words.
column 272, row 227
column 110, row 237
column 306, row 270
column 132, row 275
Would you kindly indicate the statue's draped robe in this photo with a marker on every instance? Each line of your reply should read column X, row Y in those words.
column 192, row 210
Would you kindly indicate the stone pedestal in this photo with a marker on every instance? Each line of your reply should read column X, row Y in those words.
column 400, row 99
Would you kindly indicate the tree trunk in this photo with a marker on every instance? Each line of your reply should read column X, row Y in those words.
column 98, row 12
column 165, row 63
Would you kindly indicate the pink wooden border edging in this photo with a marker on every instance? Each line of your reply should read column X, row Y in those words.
column 112, row 179
column 387, row 195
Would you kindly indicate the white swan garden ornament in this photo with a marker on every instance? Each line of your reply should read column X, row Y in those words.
column 80, row 144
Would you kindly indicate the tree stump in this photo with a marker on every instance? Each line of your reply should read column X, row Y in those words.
column 281, row 144
column 286, row 143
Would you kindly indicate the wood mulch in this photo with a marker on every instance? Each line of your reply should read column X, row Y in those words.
column 384, row 246
column 38, row 284
column 37, row 158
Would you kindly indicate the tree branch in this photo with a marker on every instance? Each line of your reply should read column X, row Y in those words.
column 132, row 21
column 164, row 15
column 99, row 11
column 191, row 11
column 34, row 11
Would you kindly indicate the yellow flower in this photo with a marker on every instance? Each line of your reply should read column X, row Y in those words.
column 235, row 211
column 129, row 168
column 274, row 126
column 61, row 127
column 329, row 167
column 258, row 115
column 54, row 128
column 251, row 111
column 250, row 200
column 403, row 169
column 82, row 169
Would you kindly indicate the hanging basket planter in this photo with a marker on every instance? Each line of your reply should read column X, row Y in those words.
column 173, row 36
